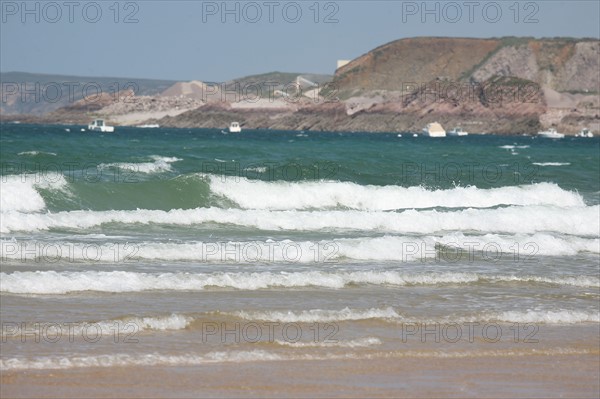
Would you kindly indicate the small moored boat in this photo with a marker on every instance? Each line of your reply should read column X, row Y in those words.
column 434, row 130
column 585, row 132
column 551, row 134
column 235, row 127
column 99, row 126
column 458, row 131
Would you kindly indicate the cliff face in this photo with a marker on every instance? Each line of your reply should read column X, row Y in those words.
column 548, row 82
column 560, row 64
column 419, row 60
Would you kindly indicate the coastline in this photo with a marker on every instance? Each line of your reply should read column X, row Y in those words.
column 223, row 121
column 528, row 376
column 330, row 117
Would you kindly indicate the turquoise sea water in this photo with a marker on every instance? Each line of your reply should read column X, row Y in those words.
column 169, row 234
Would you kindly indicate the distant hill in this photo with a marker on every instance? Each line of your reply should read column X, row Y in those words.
column 50, row 98
column 561, row 64
column 282, row 78
column 246, row 86
column 195, row 89
column 279, row 83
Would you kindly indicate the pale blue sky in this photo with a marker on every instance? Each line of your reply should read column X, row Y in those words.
column 185, row 40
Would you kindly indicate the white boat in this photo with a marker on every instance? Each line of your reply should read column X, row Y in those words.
column 99, row 126
column 458, row 131
column 151, row 126
column 551, row 134
column 434, row 130
column 585, row 132
column 235, row 127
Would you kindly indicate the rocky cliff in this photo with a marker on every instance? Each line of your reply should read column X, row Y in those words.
column 562, row 64
column 500, row 85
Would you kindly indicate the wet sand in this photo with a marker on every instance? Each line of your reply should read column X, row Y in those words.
column 525, row 376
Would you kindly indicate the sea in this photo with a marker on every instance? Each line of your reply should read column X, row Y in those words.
column 178, row 248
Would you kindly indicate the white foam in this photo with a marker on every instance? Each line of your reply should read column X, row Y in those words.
column 126, row 325
column 258, row 169
column 576, row 281
column 354, row 343
column 561, row 316
column 256, row 194
column 53, row 282
column 552, row 163
column 156, row 359
column 160, row 164
column 538, row 316
column 150, row 359
column 172, row 322
column 319, row 315
column 453, row 248
column 34, row 153
column 512, row 147
column 19, row 193
column 528, row 219
column 456, row 247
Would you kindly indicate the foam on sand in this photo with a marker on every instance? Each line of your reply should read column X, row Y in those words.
column 126, row 325
column 190, row 359
column 320, row 315
column 150, row 359
column 53, row 282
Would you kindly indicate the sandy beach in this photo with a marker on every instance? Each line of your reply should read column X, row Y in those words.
column 485, row 377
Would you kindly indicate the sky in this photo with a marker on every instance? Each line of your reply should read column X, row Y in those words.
column 218, row 40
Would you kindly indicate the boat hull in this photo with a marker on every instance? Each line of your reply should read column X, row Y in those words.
column 434, row 130
column 551, row 135
column 104, row 129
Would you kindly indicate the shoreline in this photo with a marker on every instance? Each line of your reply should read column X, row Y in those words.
column 394, row 132
column 530, row 376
